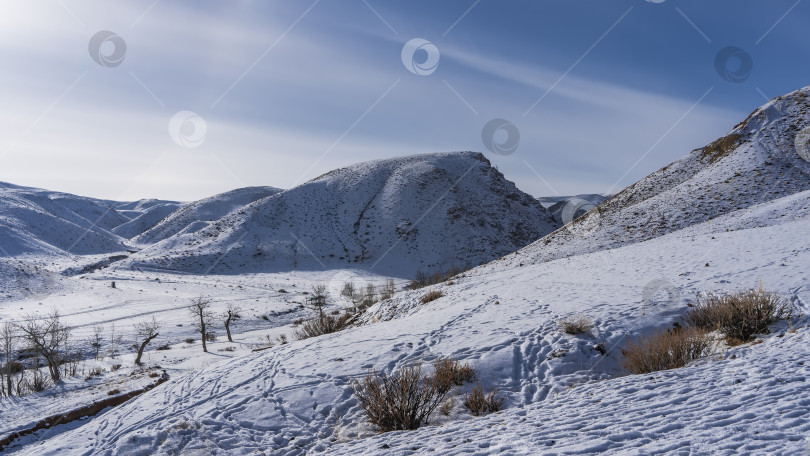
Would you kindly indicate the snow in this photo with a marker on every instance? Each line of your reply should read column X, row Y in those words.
column 710, row 222
column 297, row 397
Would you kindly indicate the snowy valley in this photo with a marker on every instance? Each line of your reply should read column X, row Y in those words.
column 728, row 217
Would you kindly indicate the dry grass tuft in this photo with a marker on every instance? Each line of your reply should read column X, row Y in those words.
column 323, row 324
column 431, row 295
column 739, row 316
column 449, row 373
column 480, row 403
column 666, row 350
column 575, row 324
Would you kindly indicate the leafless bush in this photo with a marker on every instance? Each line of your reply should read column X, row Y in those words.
column 741, row 315
column 322, row 324
column 403, row 400
column 480, row 403
column 387, row 291
column 575, row 324
column 38, row 381
column 431, row 295
column 422, row 279
column 449, row 373
column 94, row 372
column 447, row 406
column 666, row 350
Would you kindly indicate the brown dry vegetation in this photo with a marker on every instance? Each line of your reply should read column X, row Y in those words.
column 739, row 316
column 666, row 350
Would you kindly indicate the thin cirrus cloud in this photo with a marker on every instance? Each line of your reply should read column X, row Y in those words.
column 290, row 90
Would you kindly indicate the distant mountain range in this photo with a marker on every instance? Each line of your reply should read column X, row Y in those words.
column 424, row 212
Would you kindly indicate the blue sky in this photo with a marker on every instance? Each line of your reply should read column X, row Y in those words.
column 290, row 89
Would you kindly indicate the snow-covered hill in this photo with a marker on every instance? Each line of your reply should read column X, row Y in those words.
column 425, row 212
column 34, row 221
column 144, row 215
column 756, row 162
column 199, row 214
column 565, row 209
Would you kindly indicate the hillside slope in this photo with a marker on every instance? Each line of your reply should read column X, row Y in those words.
column 145, row 217
column 561, row 392
column 195, row 216
column 423, row 212
column 756, row 162
column 34, row 221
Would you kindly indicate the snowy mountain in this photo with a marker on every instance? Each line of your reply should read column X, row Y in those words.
column 755, row 163
column 425, row 212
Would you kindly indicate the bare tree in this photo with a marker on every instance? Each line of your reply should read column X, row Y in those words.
column 371, row 295
column 318, row 300
column 232, row 314
column 115, row 342
column 200, row 309
column 146, row 332
column 348, row 290
column 49, row 337
column 8, row 344
column 95, row 339
column 388, row 290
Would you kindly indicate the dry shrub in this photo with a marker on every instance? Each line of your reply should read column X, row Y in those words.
column 323, row 324
column 447, row 406
column 449, row 373
column 431, row 295
column 666, row 350
column 575, row 324
column 741, row 315
column 423, row 280
column 480, row 403
column 402, row 400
